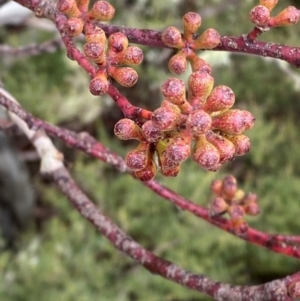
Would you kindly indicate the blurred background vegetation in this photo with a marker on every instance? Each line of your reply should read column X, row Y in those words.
column 59, row 256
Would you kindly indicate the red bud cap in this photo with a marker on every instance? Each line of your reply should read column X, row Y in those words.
column 221, row 98
column 133, row 56
column 126, row 129
column 209, row 39
column 173, row 90
column 217, row 207
column 117, row 42
column 69, row 8
column 206, row 155
column 166, row 117
column 224, row 146
column 241, row 144
column 250, row 198
column 150, row 132
column 178, row 150
column 269, row 4
column 94, row 34
column 101, row 11
column 200, row 85
column 177, row 63
column 216, row 187
column 137, row 159
column 252, row 209
column 289, row 16
column 125, row 76
column 198, row 122
column 172, row 38
column 233, row 122
column 236, row 212
column 148, row 173
column 229, row 187
column 95, row 52
column 99, row 84
column 191, row 23
column 73, row 27
column 259, row 15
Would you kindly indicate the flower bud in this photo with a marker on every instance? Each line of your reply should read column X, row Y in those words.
column 241, row 143
column 133, row 55
column 225, row 147
column 166, row 117
column 216, row 187
column 125, row 76
column 233, row 121
column 126, row 129
column 117, row 42
column 269, row 4
column 83, row 5
column 191, row 23
column 168, row 167
column 289, row 16
column 198, row 64
column 146, row 174
column 99, row 84
column 236, row 212
column 250, row 198
column 177, row 63
column 221, row 98
column 172, row 38
column 150, row 132
column 200, row 85
column 198, row 122
column 178, row 147
column 173, row 90
column 251, row 209
column 69, row 8
column 206, row 155
column 217, row 207
column 73, row 27
column 95, row 52
column 259, row 15
column 137, row 159
column 229, row 187
column 94, row 34
column 101, row 11
column 209, row 39
column 239, row 196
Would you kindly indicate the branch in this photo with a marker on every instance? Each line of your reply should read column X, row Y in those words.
column 84, row 142
column 30, row 50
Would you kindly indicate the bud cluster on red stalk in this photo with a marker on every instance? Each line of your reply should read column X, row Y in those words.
column 196, row 121
column 233, row 201
column 187, row 44
column 110, row 55
column 260, row 15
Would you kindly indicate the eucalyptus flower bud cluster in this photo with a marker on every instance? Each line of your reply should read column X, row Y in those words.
column 110, row 55
column 187, row 44
column 231, row 200
column 196, row 122
column 260, row 15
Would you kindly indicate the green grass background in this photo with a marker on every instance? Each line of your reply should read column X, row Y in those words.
column 66, row 259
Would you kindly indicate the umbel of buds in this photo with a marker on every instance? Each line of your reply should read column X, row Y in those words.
column 187, row 44
column 200, row 124
column 260, row 15
column 231, row 200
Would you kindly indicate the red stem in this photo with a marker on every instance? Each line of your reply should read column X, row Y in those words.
column 89, row 145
